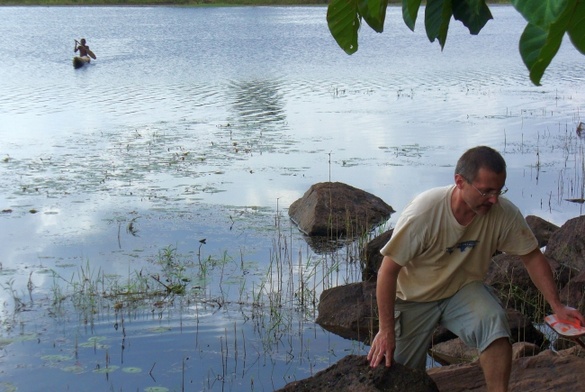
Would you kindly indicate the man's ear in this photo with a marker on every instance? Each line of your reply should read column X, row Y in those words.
column 459, row 180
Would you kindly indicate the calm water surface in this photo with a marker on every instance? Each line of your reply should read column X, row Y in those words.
column 199, row 127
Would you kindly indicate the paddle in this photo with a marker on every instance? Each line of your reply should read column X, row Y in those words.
column 89, row 52
column 571, row 330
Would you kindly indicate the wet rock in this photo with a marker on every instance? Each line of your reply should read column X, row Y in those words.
column 334, row 209
column 458, row 378
column 567, row 244
column 546, row 371
column 541, row 228
column 524, row 349
column 573, row 294
column 353, row 374
column 515, row 289
column 350, row 311
column 370, row 256
column 452, row 352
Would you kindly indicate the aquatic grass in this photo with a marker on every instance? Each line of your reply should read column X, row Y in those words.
column 278, row 302
column 19, row 304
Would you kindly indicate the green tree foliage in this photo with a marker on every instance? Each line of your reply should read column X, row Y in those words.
column 547, row 23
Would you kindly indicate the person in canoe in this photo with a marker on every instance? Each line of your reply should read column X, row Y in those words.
column 83, row 49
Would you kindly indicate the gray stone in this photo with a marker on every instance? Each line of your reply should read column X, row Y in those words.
column 334, row 209
column 541, row 228
column 350, row 311
column 547, row 371
column 353, row 374
column 567, row 244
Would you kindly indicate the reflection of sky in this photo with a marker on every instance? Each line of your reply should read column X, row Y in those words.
column 165, row 352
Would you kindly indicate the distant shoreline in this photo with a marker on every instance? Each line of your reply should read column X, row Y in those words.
column 190, row 3
column 185, row 3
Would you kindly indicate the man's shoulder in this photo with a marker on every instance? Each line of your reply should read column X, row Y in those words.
column 429, row 201
column 506, row 206
column 434, row 194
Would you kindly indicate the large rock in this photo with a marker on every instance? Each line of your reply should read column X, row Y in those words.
column 573, row 294
column 350, row 311
column 567, row 244
column 541, row 228
column 508, row 275
column 547, row 371
column 452, row 352
column 370, row 256
column 334, row 209
column 353, row 374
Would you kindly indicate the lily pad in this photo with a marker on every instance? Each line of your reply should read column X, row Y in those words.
column 156, row 389
column 95, row 342
column 96, row 339
column 132, row 370
column 108, row 369
column 76, row 369
column 95, row 345
column 8, row 387
column 26, row 337
column 160, row 329
column 56, row 358
column 5, row 342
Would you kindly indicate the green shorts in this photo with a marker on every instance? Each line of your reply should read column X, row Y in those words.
column 474, row 314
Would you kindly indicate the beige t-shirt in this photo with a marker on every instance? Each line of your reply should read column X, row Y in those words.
column 439, row 256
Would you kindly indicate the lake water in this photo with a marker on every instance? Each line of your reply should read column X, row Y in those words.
column 190, row 136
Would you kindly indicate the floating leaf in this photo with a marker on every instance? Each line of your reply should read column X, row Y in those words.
column 5, row 342
column 95, row 345
column 8, row 387
column 108, row 369
column 160, row 329
column 96, row 339
column 132, row 370
column 56, row 358
column 76, row 369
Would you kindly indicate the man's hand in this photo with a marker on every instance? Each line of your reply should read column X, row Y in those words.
column 382, row 347
column 570, row 314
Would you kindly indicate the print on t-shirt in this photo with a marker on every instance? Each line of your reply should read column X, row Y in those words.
column 462, row 246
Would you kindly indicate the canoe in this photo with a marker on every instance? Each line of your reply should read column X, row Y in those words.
column 79, row 62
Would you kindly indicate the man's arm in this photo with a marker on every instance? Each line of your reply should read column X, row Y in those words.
column 542, row 277
column 384, row 342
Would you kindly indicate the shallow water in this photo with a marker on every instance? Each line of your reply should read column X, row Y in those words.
column 206, row 123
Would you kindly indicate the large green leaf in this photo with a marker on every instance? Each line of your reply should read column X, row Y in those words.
column 437, row 17
column 576, row 27
column 410, row 12
column 344, row 22
column 474, row 14
column 541, row 13
column 374, row 13
column 539, row 46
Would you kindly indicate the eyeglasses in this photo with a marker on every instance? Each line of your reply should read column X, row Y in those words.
column 490, row 194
